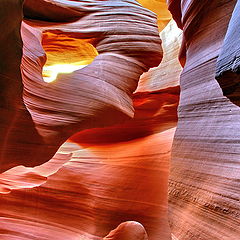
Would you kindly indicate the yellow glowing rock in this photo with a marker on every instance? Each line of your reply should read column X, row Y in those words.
column 160, row 8
column 50, row 73
column 65, row 54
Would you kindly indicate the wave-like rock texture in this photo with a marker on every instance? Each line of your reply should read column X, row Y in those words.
column 99, row 188
column 126, row 38
column 112, row 182
column 155, row 111
column 228, row 64
column 167, row 74
column 204, row 177
column 115, row 174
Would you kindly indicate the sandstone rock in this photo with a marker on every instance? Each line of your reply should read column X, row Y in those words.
column 228, row 64
column 113, row 172
column 155, row 111
column 10, row 82
column 89, row 188
column 85, row 98
column 204, row 185
column 98, row 189
column 128, row 231
column 167, row 74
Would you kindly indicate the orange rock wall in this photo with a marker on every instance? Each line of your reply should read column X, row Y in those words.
column 96, row 143
column 107, row 178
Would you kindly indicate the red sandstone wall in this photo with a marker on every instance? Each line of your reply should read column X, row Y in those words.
column 106, row 175
column 204, row 182
column 109, row 175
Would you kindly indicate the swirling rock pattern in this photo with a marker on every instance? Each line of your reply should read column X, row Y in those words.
column 155, row 111
column 204, row 177
column 88, row 96
column 88, row 189
column 167, row 74
column 116, row 177
column 98, row 189
column 228, row 64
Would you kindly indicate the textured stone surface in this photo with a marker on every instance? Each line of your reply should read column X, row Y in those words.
column 167, row 74
column 112, row 184
column 128, row 231
column 10, row 81
column 228, row 64
column 85, row 98
column 204, row 176
column 100, row 187
column 155, row 112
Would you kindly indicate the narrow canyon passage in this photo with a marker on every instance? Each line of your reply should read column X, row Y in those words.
column 119, row 120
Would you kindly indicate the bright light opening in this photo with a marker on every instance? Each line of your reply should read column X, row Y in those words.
column 50, row 73
column 65, row 54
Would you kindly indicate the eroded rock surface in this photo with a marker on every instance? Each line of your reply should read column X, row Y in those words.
column 204, row 182
column 98, row 189
column 112, row 175
column 128, row 231
column 110, row 179
column 228, row 64
column 87, row 97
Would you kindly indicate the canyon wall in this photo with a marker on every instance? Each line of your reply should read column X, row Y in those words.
column 104, row 177
column 86, row 152
column 204, row 177
column 51, row 113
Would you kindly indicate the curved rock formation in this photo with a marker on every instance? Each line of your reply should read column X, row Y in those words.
column 155, row 111
column 128, row 231
column 109, row 180
column 228, row 64
column 100, row 187
column 11, row 53
column 85, row 191
column 85, row 98
column 204, row 182
column 168, row 72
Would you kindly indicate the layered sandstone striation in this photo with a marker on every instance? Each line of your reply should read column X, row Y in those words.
column 88, row 117
column 167, row 73
column 228, row 63
column 96, row 190
column 84, row 99
column 106, row 182
column 204, row 176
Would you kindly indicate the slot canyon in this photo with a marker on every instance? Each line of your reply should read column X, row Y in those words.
column 120, row 120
